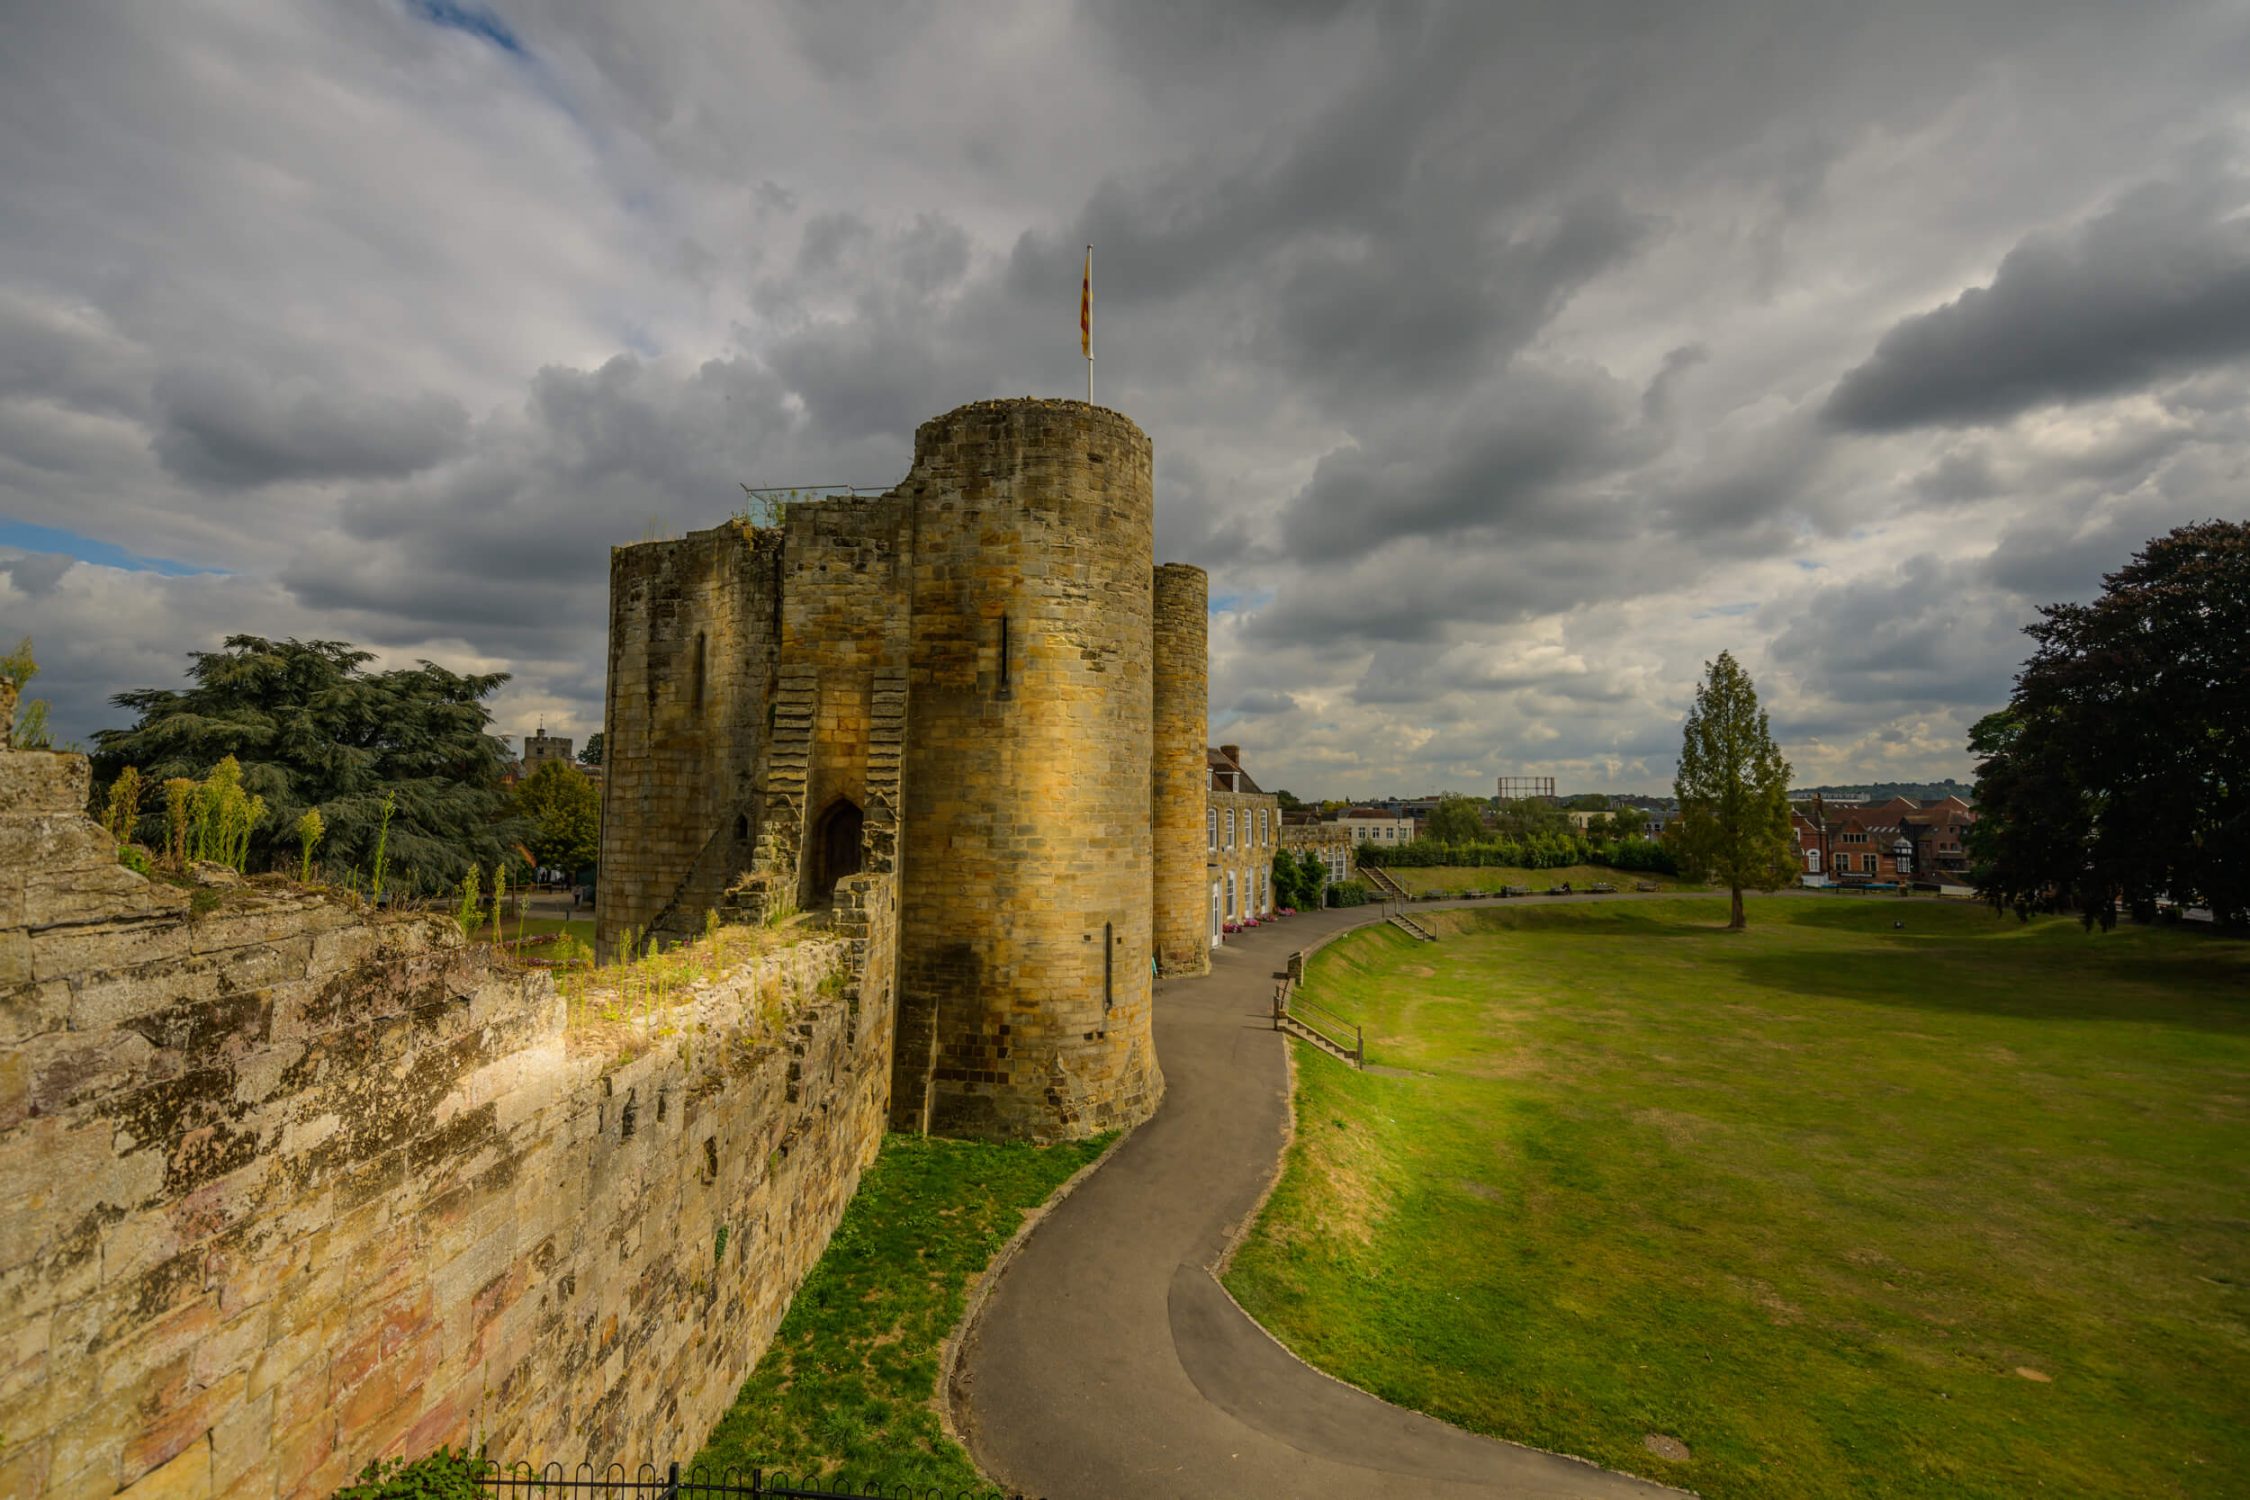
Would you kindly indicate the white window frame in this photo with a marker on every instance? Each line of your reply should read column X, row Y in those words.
column 1230, row 828
column 1230, row 895
column 1211, row 827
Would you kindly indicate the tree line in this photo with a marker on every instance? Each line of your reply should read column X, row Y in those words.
column 397, row 770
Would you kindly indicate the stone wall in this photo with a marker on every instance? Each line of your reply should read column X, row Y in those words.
column 693, row 627
column 289, row 1187
column 1178, row 773
column 1331, row 842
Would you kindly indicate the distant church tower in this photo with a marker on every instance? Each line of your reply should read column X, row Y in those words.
column 540, row 747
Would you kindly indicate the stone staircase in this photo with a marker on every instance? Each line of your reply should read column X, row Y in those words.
column 1412, row 928
column 1380, row 879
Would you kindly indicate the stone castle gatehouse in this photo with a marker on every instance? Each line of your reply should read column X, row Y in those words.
column 978, row 684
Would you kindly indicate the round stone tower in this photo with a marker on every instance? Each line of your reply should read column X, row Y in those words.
column 1026, row 871
column 1179, row 776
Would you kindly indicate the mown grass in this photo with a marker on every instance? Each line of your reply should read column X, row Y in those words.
column 1493, row 877
column 847, row 1392
column 1958, row 1209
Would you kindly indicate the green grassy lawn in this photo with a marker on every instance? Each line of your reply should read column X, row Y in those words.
column 848, row 1390
column 1957, row 1210
column 1493, row 877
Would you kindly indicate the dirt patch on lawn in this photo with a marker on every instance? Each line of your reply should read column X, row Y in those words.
column 1667, row 1447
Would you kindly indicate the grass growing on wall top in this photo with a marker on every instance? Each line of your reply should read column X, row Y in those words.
column 847, row 1391
column 1955, row 1208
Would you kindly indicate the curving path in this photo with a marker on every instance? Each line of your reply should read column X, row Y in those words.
column 1109, row 1362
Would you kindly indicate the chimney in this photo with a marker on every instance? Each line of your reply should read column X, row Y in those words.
column 1232, row 753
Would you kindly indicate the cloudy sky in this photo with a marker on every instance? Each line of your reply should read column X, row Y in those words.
column 1504, row 362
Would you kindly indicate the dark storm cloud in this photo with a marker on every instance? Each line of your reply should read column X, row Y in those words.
column 1498, row 467
column 2156, row 286
column 222, row 426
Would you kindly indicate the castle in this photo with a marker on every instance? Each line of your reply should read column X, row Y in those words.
column 977, row 691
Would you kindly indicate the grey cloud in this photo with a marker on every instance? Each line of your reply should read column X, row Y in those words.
column 1263, row 701
column 1457, row 327
column 224, row 426
column 1656, row 400
column 2157, row 285
column 1927, row 632
column 35, row 574
column 1501, row 465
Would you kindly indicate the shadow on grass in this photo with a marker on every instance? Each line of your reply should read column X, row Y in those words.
column 2163, row 979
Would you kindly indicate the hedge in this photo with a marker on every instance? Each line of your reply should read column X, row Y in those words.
column 1534, row 854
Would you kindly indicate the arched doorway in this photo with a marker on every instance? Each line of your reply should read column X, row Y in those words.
column 835, row 847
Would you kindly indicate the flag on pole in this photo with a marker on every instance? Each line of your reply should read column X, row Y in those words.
column 1086, row 308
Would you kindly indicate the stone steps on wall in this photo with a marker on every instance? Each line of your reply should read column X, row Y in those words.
column 1412, row 928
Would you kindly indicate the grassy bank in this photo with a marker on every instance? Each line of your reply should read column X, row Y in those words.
column 1493, row 877
column 847, row 1392
column 1956, row 1209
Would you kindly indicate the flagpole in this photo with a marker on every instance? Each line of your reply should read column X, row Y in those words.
column 1089, row 325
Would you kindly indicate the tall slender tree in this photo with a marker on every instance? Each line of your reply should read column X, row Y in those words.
column 1733, row 789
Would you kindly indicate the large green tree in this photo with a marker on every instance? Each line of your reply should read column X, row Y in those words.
column 1530, row 818
column 313, row 728
column 564, row 811
column 1455, row 820
column 2119, row 772
column 1733, row 789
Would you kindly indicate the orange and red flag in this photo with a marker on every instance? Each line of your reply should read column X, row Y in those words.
column 1086, row 308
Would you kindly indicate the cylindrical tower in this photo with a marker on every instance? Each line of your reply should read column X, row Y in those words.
column 1026, row 874
column 1179, row 777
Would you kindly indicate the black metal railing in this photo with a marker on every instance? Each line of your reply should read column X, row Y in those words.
column 673, row 1482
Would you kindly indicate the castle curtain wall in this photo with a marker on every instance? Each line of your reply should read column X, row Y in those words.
column 691, row 680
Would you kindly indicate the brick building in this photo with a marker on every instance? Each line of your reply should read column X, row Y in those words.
column 1855, row 843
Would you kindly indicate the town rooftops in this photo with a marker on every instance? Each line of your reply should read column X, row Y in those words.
column 1227, row 775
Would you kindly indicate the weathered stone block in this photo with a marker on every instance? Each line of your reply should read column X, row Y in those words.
column 39, row 781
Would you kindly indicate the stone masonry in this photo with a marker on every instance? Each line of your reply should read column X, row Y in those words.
column 979, row 683
column 1183, row 922
column 289, row 1187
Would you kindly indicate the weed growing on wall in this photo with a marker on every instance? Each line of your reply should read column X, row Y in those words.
column 642, row 984
column 466, row 913
column 29, row 731
column 382, row 846
column 123, row 814
column 179, row 794
column 309, row 830
column 224, row 816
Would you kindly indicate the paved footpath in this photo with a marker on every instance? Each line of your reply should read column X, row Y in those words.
column 1110, row 1365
